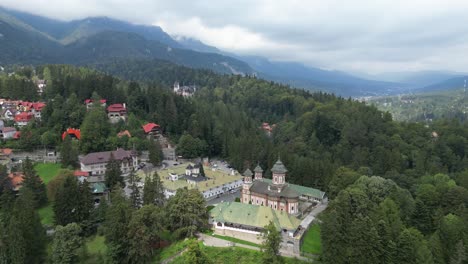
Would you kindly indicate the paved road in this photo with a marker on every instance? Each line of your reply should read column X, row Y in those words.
column 226, row 197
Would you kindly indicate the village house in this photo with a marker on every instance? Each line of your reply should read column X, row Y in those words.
column 7, row 132
column 9, row 113
column 117, row 112
column 95, row 163
column 41, row 85
column 23, row 118
column 16, row 179
column 89, row 103
column 36, row 109
column 152, row 129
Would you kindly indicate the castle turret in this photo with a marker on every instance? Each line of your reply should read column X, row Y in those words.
column 258, row 173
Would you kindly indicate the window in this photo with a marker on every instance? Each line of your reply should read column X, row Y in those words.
column 275, row 206
column 292, row 209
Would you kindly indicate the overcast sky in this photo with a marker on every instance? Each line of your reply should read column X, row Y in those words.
column 360, row 35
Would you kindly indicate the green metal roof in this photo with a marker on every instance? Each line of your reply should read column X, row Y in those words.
column 302, row 190
column 253, row 215
column 279, row 167
column 258, row 169
column 98, row 187
column 248, row 173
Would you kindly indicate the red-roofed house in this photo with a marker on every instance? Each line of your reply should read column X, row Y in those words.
column 117, row 112
column 81, row 175
column 23, row 118
column 89, row 103
column 16, row 179
column 37, row 109
column 7, row 132
column 152, row 129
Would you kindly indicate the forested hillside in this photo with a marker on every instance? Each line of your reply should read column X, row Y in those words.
column 398, row 190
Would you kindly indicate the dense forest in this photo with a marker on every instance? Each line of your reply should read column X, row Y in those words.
column 398, row 190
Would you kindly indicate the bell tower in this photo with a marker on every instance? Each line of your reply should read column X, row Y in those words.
column 279, row 173
column 258, row 173
column 246, row 186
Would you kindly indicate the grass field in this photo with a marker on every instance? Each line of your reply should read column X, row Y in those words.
column 171, row 250
column 46, row 214
column 47, row 171
column 312, row 242
column 235, row 240
column 234, row 255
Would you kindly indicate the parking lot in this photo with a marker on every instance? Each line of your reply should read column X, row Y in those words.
column 226, row 197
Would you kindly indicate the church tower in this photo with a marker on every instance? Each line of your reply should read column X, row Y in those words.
column 246, row 186
column 258, row 173
column 279, row 173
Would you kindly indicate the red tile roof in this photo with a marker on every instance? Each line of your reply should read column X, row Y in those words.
column 17, row 135
column 102, row 101
column 79, row 173
column 16, row 179
column 23, row 117
column 124, row 133
column 6, row 151
column 150, row 127
column 120, row 108
column 38, row 106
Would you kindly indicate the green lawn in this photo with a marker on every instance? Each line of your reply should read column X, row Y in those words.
column 234, row 255
column 46, row 214
column 312, row 242
column 171, row 250
column 235, row 240
column 47, row 171
column 96, row 245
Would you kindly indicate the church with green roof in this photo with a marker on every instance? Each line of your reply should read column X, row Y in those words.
column 276, row 193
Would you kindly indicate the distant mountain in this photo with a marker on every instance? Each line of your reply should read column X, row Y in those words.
column 68, row 32
column 33, row 39
column 197, row 45
column 417, row 79
column 112, row 44
column 449, row 84
column 299, row 75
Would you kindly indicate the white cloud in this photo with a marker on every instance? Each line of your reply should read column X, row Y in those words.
column 361, row 35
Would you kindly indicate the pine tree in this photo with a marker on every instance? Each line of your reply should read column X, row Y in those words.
column 155, row 153
column 32, row 181
column 113, row 174
column 95, row 130
column 195, row 254
column 66, row 244
column 68, row 154
column 135, row 197
column 153, row 191
column 144, row 231
column 271, row 244
column 67, row 200
column 26, row 228
column 117, row 219
column 202, row 171
column 5, row 182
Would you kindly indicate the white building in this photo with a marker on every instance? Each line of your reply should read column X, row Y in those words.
column 95, row 163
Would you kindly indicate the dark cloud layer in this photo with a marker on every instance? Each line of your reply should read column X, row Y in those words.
column 362, row 35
